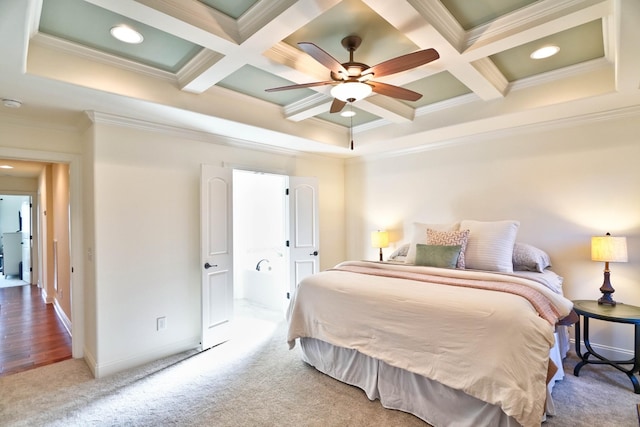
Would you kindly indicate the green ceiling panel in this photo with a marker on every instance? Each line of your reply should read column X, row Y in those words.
column 89, row 25
column 380, row 40
column 471, row 13
column 515, row 63
column 232, row 8
column 360, row 118
column 253, row 81
column 436, row 88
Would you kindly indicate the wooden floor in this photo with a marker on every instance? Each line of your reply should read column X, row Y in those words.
column 31, row 334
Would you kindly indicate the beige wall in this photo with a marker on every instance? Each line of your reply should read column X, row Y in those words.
column 146, row 234
column 564, row 185
column 60, row 234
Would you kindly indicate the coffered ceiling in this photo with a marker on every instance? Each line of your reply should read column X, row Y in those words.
column 204, row 66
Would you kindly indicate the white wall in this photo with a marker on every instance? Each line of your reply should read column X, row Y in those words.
column 564, row 185
column 146, row 235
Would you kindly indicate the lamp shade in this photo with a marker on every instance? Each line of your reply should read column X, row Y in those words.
column 609, row 249
column 350, row 91
column 379, row 239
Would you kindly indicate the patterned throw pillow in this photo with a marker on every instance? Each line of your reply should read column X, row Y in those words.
column 450, row 238
column 529, row 258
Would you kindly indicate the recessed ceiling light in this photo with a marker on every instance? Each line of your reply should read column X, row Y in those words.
column 348, row 113
column 11, row 103
column 544, row 52
column 126, row 34
column 6, row 167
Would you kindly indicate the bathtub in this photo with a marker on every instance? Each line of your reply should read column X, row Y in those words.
column 264, row 288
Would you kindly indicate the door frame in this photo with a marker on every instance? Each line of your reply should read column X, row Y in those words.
column 290, row 225
column 75, row 230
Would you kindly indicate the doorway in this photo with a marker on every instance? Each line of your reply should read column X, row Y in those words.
column 15, row 240
column 260, row 254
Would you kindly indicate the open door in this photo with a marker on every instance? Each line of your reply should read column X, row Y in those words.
column 303, row 228
column 216, row 254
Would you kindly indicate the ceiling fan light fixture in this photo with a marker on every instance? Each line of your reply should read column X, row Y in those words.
column 126, row 34
column 351, row 91
column 544, row 52
column 348, row 113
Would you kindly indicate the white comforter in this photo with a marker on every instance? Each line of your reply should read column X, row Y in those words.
column 492, row 345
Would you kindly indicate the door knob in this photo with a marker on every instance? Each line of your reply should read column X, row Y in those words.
column 314, row 253
column 207, row 265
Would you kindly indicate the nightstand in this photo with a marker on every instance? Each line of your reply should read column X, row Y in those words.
column 619, row 313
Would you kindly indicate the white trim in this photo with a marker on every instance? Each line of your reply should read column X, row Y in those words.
column 612, row 353
column 62, row 316
column 632, row 111
column 525, row 17
column 561, row 73
column 178, row 132
column 76, row 233
column 103, row 370
column 90, row 54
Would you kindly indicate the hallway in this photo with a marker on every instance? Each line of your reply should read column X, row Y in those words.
column 31, row 335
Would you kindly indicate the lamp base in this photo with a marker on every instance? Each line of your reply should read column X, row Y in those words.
column 606, row 289
column 606, row 300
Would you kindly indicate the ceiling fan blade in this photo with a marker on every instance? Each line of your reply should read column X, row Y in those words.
column 402, row 63
column 337, row 105
column 323, row 57
column 299, row 86
column 395, row 91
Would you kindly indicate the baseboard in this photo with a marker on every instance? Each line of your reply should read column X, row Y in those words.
column 105, row 369
column 90, row 360
column 611, row 353
column 62, row 316
column 45, row 297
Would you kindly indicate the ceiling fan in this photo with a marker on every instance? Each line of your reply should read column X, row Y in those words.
column 354, row 80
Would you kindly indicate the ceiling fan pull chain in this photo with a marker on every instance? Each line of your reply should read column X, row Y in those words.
column 351, row 125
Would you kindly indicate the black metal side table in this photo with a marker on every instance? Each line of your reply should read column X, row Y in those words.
column 619, row 313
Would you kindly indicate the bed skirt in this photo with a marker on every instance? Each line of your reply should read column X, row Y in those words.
column 428, row 400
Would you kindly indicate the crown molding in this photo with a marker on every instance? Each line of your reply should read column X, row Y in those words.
column 199, row 15
column 439, row 16
column 259, row 15
column 183, row 133
column 531, row 16
column 90, row 54
column 575, row 121
column 562, row 73
column 204, row 60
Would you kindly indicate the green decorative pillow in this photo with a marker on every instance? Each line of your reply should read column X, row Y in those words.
column 437, row 255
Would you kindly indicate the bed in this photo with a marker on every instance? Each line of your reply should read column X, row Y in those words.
column 453, row 346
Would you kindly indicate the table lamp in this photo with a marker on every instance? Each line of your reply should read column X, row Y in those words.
column 608, row 249
column 379, row 239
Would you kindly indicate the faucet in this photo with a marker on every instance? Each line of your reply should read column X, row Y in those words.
column 258, row 266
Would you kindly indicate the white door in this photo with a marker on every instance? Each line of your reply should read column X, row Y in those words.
column 25, row 214
column 216, row 254
column 303, row 228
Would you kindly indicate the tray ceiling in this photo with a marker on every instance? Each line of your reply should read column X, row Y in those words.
column 204, row 65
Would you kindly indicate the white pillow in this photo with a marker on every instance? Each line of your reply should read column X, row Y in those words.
column 490, row 244
column 420, row 236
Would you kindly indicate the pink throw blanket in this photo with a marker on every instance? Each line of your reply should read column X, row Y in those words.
column 543, row 306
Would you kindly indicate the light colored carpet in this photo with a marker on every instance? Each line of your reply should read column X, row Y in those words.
column 257, row 381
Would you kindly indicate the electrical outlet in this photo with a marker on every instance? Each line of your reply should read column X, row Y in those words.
column 161, row 323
